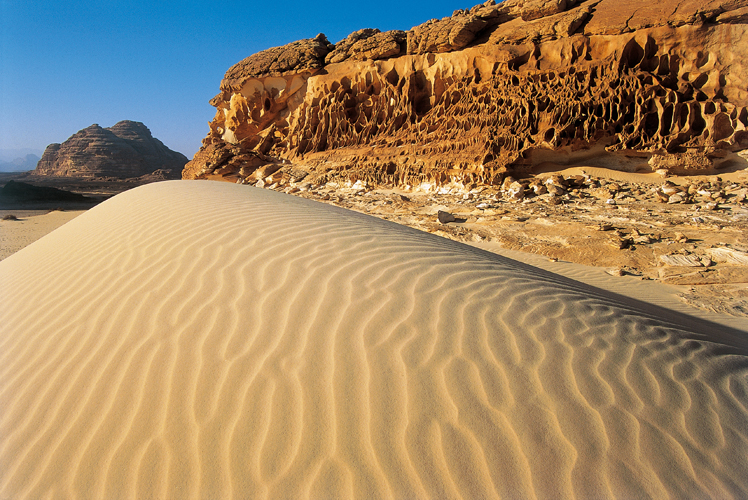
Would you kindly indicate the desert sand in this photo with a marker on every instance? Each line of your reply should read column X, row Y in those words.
column 29, row 227
column 192, row 339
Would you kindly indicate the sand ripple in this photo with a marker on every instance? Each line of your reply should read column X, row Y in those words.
column 208, row 340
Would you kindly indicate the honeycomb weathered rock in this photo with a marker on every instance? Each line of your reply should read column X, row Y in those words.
column 530, row 83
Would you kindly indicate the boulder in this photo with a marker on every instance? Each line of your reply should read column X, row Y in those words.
column 368, row 44
column 295, row 57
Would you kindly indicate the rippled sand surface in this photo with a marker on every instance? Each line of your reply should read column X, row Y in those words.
column 209, row 340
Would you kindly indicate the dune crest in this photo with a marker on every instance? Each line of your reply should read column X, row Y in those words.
column 155, row 347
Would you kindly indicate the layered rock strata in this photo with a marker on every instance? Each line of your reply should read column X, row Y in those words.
column 124, row 150
column 492, row 91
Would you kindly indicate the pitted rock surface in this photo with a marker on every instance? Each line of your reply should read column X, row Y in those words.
column 124, row 150
column 507, row 89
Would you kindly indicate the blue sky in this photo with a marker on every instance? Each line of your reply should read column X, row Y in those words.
column 67, row 64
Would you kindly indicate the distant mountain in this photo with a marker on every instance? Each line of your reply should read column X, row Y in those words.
column 10, row 154
column 20, row 164
column 124, row 150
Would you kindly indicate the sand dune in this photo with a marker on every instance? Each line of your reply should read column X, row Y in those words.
column 209, row 340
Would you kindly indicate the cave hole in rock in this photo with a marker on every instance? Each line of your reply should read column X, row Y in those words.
column 632, row 54
column 682, row 111
column 701, row 59
column 646, row 80
column 663, row 65
column 743, row 117
column 630, row 112
column 700, row 80
column 697, row 122
column 651, row 124
column 352, row 114
column 709, row 108
column 722, row 127
column 701, row 97
column 741, row 137
column 666, row 121
column 649, row 64
column 392, row 77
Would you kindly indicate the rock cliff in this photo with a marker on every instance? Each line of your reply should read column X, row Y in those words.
column 124, row 150
column 496, row 90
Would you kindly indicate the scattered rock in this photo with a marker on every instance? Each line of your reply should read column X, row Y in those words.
column 445, row 217
column 677, row 198
column 729, row 255
column 681, row 260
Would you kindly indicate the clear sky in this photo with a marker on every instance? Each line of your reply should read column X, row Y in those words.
column 65, row 65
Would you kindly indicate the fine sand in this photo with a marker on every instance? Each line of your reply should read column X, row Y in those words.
column 651, row 292
column 210, row 340
column 30, row 226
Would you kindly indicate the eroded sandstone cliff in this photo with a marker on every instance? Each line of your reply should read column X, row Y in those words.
column 124, row 150
column 496, row 90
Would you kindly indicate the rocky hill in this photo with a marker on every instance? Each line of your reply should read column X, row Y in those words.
column 492, row 91
column 124, row 150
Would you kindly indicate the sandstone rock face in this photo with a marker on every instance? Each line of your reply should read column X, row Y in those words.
column 296, row 57
column 501, row 90
column 124, row 150
column 368, row 44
